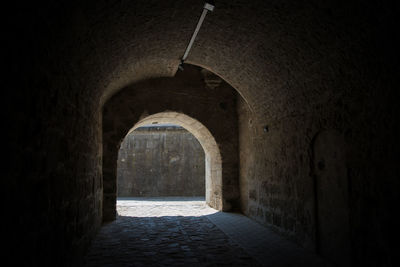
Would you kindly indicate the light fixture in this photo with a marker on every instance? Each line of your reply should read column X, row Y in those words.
column 207, row 7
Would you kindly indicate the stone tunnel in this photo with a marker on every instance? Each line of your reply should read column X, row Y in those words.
column 294, row 103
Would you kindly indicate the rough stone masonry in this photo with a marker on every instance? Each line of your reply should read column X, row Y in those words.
column 160, row 161
column 319, row 76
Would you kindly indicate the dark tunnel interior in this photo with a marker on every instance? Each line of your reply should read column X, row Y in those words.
column 295, row 104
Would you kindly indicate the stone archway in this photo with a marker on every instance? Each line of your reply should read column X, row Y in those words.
column 213, row 161
column 210, row 115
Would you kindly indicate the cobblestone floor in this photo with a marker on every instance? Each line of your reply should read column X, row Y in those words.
column 186, row 232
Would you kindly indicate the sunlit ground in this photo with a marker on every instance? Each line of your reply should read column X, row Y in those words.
column 163, row 206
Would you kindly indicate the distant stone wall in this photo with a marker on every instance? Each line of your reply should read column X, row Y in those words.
column 160, row 161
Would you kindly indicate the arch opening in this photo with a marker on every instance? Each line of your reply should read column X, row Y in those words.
column 205, row 98
column 213, row 163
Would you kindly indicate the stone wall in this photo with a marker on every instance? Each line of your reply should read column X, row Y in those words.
column 160, row 161
column 80, row 73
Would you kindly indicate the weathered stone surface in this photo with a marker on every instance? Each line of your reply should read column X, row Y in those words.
column 301, row 67
column 332, row 196
column 184, row 231
column 160, row 161
column 185, row 95
column 162, row 233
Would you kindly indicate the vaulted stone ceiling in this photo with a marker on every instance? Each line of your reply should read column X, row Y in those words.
column 301, row 68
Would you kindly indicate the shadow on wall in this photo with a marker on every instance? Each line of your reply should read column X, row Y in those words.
column 160, row 161
column 332, row 196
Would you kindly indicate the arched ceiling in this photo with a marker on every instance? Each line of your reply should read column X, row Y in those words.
column 262, row 48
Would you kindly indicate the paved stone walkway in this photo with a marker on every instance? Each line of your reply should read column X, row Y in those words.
column 186, row 232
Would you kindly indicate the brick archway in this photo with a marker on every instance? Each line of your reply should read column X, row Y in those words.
column 213, row 162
